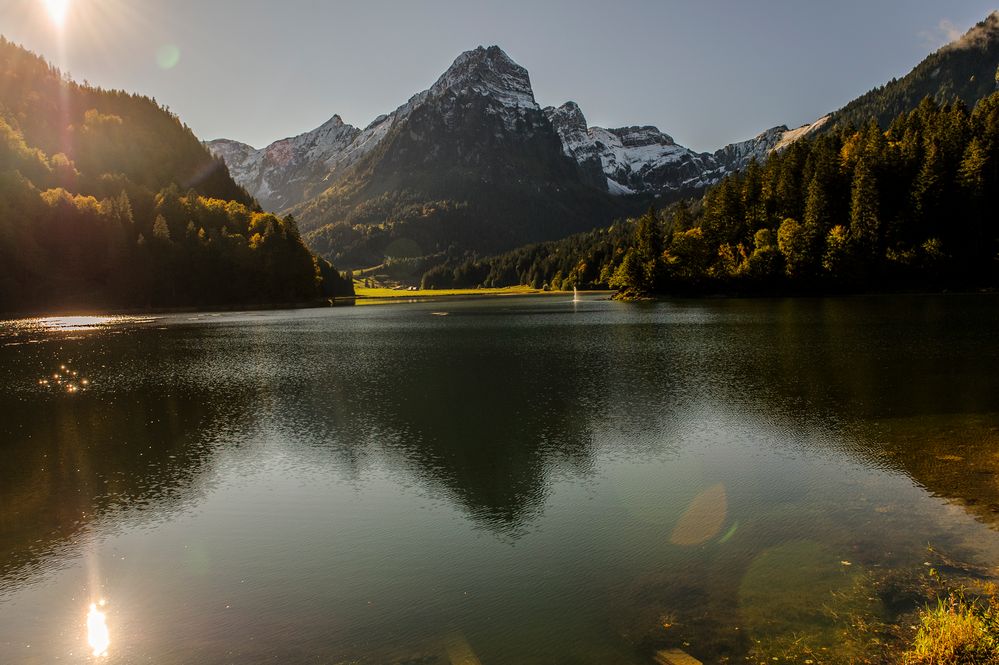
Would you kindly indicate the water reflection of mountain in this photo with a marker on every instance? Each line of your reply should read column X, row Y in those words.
column 484, row 416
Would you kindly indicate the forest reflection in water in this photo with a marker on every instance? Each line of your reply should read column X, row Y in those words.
column 384, row 477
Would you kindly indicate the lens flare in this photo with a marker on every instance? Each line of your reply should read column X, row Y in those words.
column 167, row 56
column 97, row 630
column 57, row 9
column 703, row 519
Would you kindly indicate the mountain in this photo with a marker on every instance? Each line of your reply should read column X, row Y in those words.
column 966, row 69
column 621, row 161
column 108, row 200
column 472, row 163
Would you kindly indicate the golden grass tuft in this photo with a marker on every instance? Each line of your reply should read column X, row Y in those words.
column 956, row 632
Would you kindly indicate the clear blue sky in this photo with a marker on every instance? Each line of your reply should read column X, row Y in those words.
column 707, row 72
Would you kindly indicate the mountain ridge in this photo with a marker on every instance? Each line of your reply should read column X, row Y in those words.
column 632, row 159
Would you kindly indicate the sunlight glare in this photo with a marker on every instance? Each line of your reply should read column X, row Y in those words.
column 75, row 323
column 57, row 10
column 97, row 630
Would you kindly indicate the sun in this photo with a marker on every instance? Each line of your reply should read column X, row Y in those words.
column 57, row 10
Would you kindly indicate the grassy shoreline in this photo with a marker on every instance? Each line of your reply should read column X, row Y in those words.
column 362, row 292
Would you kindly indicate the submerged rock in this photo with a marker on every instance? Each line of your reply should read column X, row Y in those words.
column 675, row 657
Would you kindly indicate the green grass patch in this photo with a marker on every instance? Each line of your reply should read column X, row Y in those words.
column 386, row 292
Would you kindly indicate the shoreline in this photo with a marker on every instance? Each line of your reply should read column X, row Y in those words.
column 340, row 301
column 405, row 297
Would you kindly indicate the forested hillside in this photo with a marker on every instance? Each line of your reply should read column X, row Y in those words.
column 107, row 199
column 910, row 206
column 966, row 69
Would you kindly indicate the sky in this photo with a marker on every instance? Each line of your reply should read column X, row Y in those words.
column 706, row 72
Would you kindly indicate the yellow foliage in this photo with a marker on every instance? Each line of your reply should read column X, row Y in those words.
column 54, row 197
column 94, row 119
column 851, row 151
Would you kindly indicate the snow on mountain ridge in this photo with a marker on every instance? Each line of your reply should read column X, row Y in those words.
column 633, row 159
column 570, row 124
column 644, row 159
column 279, row 173
column 792, row 135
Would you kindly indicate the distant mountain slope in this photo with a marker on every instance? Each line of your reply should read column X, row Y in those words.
column 108, row 200
column 630, row 159
column 966, row 69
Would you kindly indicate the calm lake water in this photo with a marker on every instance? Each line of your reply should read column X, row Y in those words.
column 527, row 480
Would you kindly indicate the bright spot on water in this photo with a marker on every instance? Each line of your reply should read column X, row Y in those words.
column 167, row 56
column 74, row 322
column 97, row 630
column 68, row 380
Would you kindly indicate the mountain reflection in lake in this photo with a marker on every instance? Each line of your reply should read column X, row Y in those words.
column 522, row 481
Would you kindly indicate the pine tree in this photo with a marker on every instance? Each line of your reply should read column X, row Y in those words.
column 865, row 224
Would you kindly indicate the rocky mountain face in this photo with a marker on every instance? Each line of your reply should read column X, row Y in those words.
column 286, row 171
column 472, row 163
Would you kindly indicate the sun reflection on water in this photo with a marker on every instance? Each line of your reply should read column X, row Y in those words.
column 65, row 379
column 98, row 636
column 74, row 322
column 27, row 331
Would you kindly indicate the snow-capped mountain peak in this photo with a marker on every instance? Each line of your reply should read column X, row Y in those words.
column 488, row 72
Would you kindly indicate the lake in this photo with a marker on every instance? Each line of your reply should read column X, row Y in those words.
column 512, row 480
